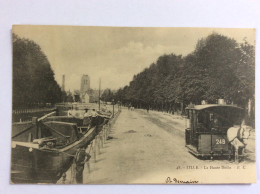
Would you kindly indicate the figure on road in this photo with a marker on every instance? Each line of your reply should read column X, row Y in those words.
column 147, row 108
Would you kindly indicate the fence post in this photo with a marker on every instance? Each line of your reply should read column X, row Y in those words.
column 88, row 165
column 105, row 133
column 101, row 138
column 98, row 143
column 94, row 150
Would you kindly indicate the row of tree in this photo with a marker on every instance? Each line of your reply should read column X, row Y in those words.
column 33, row 78
column 219, row 67
column 108, row 95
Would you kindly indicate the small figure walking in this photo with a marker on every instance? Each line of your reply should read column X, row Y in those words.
column 81, row 158
column 147, row 108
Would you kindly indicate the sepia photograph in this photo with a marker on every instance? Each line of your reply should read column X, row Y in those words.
column 132, row 105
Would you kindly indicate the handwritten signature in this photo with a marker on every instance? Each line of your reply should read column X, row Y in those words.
column 174, row 180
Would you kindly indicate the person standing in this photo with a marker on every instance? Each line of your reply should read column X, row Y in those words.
column 235, row 140
column 87, row 118
column 93, row 117
column 81, row 158
column 147, row 108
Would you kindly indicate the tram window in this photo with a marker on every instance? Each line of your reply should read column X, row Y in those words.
column 188, row 114
column 216, row 123
column 194, row 120
column 201, row 117
column 202, row 121
column 211, row 116
column 191, row 119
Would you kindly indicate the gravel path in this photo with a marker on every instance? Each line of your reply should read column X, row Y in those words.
column 150, row 147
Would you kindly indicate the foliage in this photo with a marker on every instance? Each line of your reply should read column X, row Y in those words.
column 219, row 67
column 107, row 95
column 33, row 78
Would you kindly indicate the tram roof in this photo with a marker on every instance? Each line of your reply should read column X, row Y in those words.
column 206, row 106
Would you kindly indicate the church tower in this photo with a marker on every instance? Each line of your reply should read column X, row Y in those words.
column 85, row 84
column 84, row 89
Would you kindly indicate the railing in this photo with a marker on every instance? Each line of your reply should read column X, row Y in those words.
column 25, row 115
column 94, row 149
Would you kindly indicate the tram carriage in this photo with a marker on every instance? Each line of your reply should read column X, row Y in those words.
column 206, row 133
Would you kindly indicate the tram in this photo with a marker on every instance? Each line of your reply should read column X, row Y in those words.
column 206, row 132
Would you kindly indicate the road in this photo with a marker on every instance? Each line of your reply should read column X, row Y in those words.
column 147, row 148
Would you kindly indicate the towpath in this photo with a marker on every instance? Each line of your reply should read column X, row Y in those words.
column 143, row 148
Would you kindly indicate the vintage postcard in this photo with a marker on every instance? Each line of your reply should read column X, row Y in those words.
column 133, row 105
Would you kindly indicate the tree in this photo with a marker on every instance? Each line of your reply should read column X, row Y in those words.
column 219, row 67
column 107, row 95
column 33, row 78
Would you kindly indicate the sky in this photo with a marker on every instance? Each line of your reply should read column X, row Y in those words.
column 114, row 54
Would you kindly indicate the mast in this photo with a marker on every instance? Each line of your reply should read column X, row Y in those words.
column 99, row 94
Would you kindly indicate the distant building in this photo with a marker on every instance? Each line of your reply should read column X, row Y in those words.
column 85, row 84
column 85, row 89
column 85, row 98
column 94, row 95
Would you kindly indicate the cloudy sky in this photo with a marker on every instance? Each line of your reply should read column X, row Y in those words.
column 111, row 53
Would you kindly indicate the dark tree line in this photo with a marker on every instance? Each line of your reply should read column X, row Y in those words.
column 33, row 78
column 219, row 67
column 107, row 95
